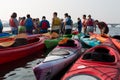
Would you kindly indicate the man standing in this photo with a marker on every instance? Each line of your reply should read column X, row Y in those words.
column 29, row 24
column 84, row 24
column 44, row 25
column 102, row 26
column 56, row 23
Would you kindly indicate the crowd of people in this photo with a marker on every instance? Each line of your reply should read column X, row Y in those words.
column 31, row 25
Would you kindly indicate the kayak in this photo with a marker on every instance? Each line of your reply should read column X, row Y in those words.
column 106, row 38
column 58, row 59
column 51, row 43
column 89, row 42
column 5, row 34
column 101, row 62
column 19, row 49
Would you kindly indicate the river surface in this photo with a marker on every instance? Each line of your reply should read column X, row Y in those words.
column 22, row 69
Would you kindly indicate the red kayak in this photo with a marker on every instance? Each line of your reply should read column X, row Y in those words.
column 34, row 44
column 98, row 63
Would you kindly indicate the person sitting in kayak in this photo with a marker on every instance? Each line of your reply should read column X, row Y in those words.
column 44, row 25
column 102, row 26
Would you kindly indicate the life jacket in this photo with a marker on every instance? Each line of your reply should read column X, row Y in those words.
column 90, row 22
column 56, row 21
column 12, row 23
column 22, row 23
column 44, row 25
column 84, row 23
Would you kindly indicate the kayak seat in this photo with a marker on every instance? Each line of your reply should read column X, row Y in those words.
column 60, row 52
column 69, row 43
column 86, row 36
column 33, row 40
column 102, row 57
column 19, row 42
column 96, row 56
column 116, row 37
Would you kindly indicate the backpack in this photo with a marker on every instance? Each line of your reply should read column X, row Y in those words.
column 44, row 25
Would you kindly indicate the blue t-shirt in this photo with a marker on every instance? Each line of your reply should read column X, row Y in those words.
column 29, row 23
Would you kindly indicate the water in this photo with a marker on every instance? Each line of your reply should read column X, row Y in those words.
column 22, row 69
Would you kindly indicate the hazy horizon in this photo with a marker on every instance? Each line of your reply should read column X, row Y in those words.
column 103, row 10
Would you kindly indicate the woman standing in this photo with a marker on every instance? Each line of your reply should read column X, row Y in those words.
column 13, row 22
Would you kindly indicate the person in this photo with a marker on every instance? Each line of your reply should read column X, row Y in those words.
column 1, row 26
column 29, row 24
column 62, row 27
column 13, row 22
column 44, row 25
column 56, row 23
column 22, row 28
column 68, row 23
column 84, row 25
column 79, row 25
column 90, row 24
column 102, row 27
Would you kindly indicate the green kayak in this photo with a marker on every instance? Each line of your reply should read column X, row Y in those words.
column 51, row 43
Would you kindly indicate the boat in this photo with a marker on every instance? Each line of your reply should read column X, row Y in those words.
column 51, row 43
column 107, row 38
column 17, row 50
column 58, row 59
column 5, row 34
column 101, row 62
column 88, row 42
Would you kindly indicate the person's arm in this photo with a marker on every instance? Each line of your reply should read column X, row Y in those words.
column 16, row 22
column 52, row 23
column 48, row 24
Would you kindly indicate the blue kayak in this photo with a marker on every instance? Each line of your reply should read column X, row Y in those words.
column 5, row 34
column 87, row 42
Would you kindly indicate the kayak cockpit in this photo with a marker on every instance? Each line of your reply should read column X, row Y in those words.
column 18, row 42
column 100, row 55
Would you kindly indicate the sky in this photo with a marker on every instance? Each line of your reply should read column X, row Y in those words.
column 103, row 10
